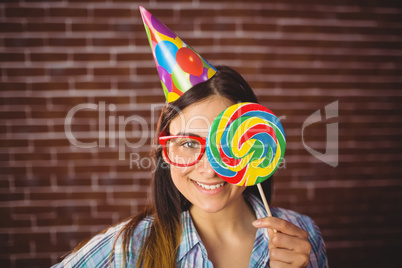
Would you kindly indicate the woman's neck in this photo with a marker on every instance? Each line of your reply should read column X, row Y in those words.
column 235, row 218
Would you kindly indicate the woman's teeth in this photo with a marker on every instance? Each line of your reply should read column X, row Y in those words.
column 210, row 187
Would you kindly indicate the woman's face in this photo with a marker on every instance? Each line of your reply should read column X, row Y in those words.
column 199, row 183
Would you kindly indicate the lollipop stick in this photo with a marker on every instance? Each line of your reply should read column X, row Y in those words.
column 264, row 200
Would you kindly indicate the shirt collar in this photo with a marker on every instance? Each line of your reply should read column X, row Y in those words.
column 190, row 236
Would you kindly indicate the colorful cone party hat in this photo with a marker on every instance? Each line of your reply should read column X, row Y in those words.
column 178, row 65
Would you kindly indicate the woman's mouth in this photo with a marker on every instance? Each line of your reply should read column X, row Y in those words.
column 210, row 189
column 209, row 186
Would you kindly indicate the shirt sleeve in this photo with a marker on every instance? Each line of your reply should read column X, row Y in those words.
column 96, row 253
column 318, row 255
column 106, row 249
column 101, row 251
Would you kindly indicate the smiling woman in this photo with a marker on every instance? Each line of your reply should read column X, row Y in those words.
column 196, row 219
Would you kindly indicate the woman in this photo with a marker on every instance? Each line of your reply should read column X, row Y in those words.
column 196, row 219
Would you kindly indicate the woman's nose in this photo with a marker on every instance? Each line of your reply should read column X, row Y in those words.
column 204, row 167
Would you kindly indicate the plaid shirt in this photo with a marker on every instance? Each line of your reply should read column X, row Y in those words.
column 192, row 253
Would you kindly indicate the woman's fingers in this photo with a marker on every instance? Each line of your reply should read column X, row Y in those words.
column 285, row 241
column 285, row 258
column 278, row 264
column 281, row 225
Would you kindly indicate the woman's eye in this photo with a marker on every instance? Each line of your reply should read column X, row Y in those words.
column 190, row 144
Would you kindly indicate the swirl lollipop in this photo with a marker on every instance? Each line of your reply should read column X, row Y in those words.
column 246, row 144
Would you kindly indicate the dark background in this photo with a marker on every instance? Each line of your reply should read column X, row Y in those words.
column 298, row 57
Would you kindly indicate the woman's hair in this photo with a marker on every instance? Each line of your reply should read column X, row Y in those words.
column 161, row 245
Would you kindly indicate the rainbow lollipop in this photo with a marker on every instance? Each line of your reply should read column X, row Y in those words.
column 245, row 144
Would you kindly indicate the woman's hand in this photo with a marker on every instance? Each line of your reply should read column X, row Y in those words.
column 289, row 247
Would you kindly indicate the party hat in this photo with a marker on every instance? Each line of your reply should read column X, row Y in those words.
column 179, row 66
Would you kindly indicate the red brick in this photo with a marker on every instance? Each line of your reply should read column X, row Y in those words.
column 31, row 156
column 4, row 157
column 25, row 72
column 75, row 127
column 111, row 71
column 13, row 86
column 146, row 71
column 110, row 41
column 28, row 128
column 239, row 12
column 41, row 171
column 369, row 16
column 67, row 12
column 133, row 57
column 88, row 195
column 75, row 181
column 52, row 143
column 13, row 249
column 115, row 208
column 48, row 114
column 120, row 181
column 22, row 12
column 82, row 221
column 93, row 85
column 48, row 57
column 34, row 261
column 13, row 143
column 5, row 261
column 24, row 101
column 10, row 27
column 126, row 27
column 67, row 42
column 44, row 86
column 11, row 197
column 137, row 85
column 111, row 12
column 24, row 42
column 259, row 27
column 36, row 210
column 12, row 115
column 72, row 210
column 151, row 99
column 112, row 100
column 84, row 169
column 11, row 57
column 143, row 41
column 69, row 101
column 49, row 196
column 74, row 156
column 64, row 238
column 194, row 13
column 86, row 113
column 218, row 27
column 67, row 71
column 59, row 221
column 89, row 27
column 45, row 27
column 91, row 56
column 129, row 195
column 21, row 238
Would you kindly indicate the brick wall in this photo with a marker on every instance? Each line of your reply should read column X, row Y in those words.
column 299, row 58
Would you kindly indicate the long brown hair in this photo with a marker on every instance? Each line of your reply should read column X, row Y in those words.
column 161, row 245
